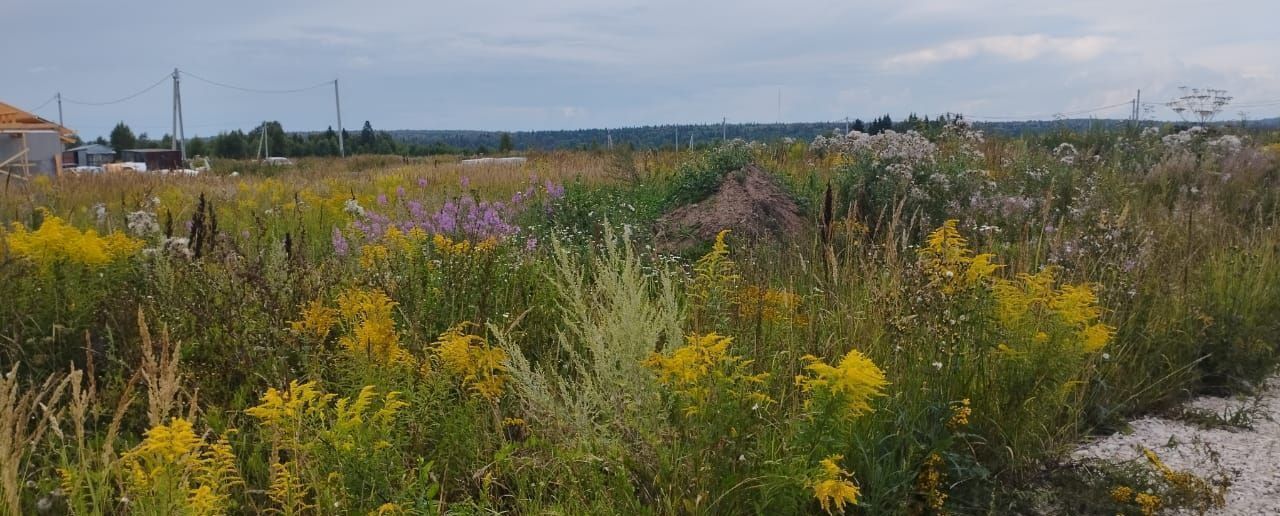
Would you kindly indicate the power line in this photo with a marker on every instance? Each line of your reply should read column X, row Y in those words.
column 254, row 90
column 1052, row 115
column 45, row 103
column 119, row 100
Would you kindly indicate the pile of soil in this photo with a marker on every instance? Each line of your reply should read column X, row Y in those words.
column 749, row 202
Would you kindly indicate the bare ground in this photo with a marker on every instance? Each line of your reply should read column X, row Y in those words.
column 1249, row 456
column 750, row 202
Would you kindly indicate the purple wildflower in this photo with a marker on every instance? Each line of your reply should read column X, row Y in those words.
column 340, row 246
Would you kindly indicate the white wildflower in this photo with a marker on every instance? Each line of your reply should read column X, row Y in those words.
column 352, row 207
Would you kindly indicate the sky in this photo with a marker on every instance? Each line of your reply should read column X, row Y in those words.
column 565, row 64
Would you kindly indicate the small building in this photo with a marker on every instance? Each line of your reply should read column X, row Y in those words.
column 91, row 155
column 30, row 144
column 517, row 160
column 156, row 159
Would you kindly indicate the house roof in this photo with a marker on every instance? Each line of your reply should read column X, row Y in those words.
column 94, row 148
column 14, row 119
column 149, row 151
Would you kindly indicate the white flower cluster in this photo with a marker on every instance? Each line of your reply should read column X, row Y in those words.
column 352, row 207
column 1226, row 144
column 142, row 223
column 1066, row 153
column 909, row 148
column 1184, row 138
column 968, row 138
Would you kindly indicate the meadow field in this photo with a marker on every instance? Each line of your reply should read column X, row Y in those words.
column 379, row 335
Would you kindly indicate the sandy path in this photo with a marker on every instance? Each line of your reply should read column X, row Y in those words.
column 1251, row 457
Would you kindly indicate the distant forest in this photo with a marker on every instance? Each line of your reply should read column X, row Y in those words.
column 424, row 142
column 667, row 136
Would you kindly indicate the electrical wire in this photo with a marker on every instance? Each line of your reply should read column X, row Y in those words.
column 253, row 90
column 45, row 103
column 1053, row 115
column 119, row 100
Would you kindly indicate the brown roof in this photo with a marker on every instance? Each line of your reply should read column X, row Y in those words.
column 14, row 119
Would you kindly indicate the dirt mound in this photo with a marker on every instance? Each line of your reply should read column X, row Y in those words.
column 750, row 202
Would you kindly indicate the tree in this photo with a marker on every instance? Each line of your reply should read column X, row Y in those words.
column 367, row 135
column 504, row 143
column 859, row 125
column 197, row 147
column 230, row 145
column 122, row 138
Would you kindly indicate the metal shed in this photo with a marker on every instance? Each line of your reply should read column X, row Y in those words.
column 156, row 159
column 91, row 155
column 30, row 144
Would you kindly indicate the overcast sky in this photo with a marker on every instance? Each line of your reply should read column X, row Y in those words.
column 557, row 64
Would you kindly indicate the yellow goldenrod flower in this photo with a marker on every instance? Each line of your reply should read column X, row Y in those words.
column 714, row 273
column 1147, row 503
column 282, row 411
column 947, row 259
column 389, row 508
column 481, row 367
column 317, row 320
column 372, row 256
column 770, row 305
column 960, row 415
column 55, row 241
column 1122, row 494
column 173, row 465
column 1095, row 336
column 449, row 247
column 833, row 486
column 374, row 335
column 695, row 369
column 929, row 483
column 1031, row 304
column 855, row 380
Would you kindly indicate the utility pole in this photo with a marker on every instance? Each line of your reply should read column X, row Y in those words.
column 337, row 106
column 846, row 126
column 173, row 140
column 177, row 137
column 60, row 124
column 1137, row 115
column 724, row 133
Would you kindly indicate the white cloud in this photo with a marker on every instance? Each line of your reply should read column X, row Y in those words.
column 1008, row 47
